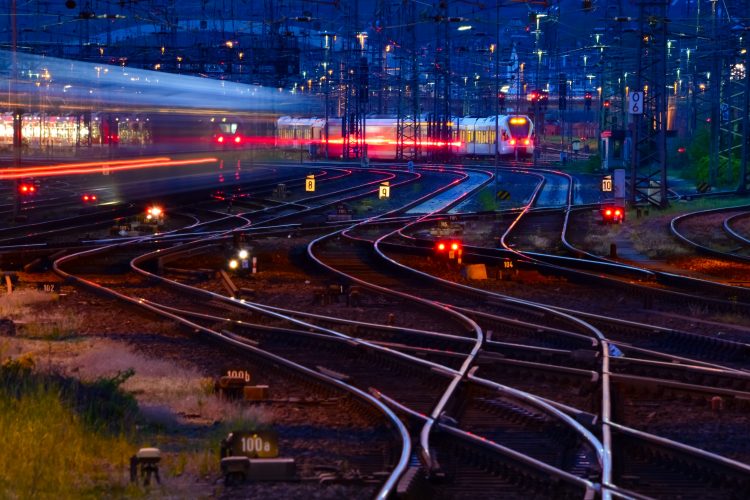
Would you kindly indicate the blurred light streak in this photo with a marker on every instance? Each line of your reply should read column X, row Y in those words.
column 100, row 167
column 80, row 165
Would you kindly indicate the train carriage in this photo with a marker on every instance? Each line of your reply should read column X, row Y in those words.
column 475, row 136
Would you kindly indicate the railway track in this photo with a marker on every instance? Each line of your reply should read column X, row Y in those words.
column 502, row 395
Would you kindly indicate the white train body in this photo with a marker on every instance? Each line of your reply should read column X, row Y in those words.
column 473, row 137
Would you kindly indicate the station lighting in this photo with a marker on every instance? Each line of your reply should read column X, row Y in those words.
column 243, row 254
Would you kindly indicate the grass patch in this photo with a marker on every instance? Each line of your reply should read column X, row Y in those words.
column 56, row 435
column 23, row 307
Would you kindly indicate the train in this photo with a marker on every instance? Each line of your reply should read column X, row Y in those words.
column 472, row 137
column 162, row 132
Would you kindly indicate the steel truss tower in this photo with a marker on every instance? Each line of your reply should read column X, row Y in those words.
column 612, row 103
column 356, row 90
column 729, row 117
column 439, row 123
column 408, row 129
column 648, row 175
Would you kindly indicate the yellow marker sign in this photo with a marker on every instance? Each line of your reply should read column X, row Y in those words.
column 385, row 190
column 607, row 183
column 310, row 183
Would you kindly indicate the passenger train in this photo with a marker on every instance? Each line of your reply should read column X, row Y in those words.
column 473, row 137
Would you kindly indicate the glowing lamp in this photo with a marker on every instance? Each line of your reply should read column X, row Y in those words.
column 233, row 264
column 243, row 254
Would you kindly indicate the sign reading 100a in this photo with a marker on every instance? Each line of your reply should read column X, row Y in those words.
column 260, row 444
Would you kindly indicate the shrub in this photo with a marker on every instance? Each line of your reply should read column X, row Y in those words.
column 48, row 449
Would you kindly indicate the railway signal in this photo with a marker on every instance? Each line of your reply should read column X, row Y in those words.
column 27, row 189
column 88, row 198
column 612, row 215
column 452, row 248
column 154, row 215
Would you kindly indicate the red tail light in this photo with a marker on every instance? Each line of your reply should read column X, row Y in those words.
column 85, row 197
column 512, row 142
column 526, row 142
column 220, row 139
column 618, row 212
column 608, row 213
column 441, row 246
column 237, row 139
column 454, row 246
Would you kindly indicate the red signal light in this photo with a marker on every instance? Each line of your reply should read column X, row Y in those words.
column 27, row 189
column 237, row 139
column 454, row 246
column 608, row 213
column 220, row 139
column 441, row 246
column 618, row 212
column 85, row 197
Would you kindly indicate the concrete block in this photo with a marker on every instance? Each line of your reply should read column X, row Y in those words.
column 476, row 272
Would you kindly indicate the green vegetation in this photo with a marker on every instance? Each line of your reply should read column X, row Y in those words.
column 697, row 168
column 486, row 200
column 56, row 434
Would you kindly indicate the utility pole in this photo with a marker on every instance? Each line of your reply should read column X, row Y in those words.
column 715, row 89
column 17, row 114
column 497, row 91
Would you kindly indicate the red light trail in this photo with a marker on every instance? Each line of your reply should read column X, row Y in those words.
column 97, row 167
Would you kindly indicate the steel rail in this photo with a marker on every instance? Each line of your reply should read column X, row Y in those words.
column 731, row 232
column 385, row 490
